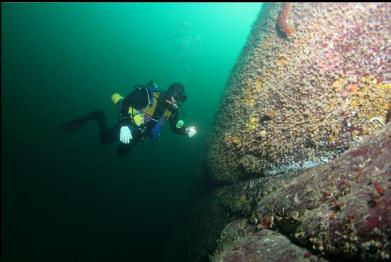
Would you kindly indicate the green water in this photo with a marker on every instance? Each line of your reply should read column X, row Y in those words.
column 68, row 197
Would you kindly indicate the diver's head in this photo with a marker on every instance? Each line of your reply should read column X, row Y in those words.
column 175, row 94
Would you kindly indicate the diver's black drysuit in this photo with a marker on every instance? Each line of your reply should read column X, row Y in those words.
column 137, row 99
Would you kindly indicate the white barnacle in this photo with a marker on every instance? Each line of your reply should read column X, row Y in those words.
column 378, row 119
column 296, row 199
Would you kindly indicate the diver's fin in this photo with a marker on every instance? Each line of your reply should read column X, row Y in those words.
column 79, row 122
column 71, row 126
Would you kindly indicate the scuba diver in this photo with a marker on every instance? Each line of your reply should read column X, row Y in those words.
column 143, row 113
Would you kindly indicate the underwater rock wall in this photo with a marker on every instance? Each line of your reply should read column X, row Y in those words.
column 300, row 153
column 259, row 246
column 313, row 79
column 340, row 211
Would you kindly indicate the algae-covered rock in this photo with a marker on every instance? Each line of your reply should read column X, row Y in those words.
column 301, row 146
column 340, row 209
column 258, row 246
column 209, row 217
column 313, row 79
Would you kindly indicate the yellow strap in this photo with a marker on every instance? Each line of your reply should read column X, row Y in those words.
column 167, row 114
column 150, row 110
column 138, row 116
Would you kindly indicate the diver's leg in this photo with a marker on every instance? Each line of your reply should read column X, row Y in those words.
column 106, row 134
column 81, row 121
column 123, row 149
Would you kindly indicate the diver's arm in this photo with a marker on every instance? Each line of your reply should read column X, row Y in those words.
column 173, row 123
column 179, row 128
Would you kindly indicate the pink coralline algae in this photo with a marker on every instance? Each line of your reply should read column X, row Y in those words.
column 329, row 61
column 379, row 188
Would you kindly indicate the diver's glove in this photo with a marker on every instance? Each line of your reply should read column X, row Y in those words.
column 191, row 131
column 125, row 135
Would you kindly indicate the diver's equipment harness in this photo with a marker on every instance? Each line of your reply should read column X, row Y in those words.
column 140, row 118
